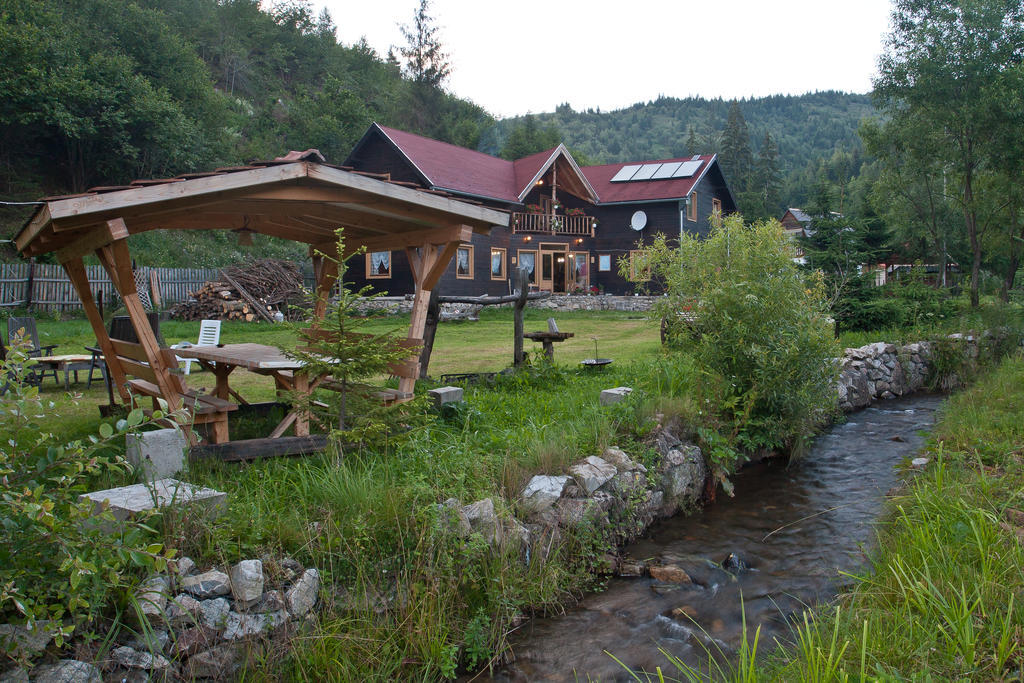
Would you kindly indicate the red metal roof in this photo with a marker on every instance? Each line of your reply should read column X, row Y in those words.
column 463, row 170
column 451, row 167
column 642, row 190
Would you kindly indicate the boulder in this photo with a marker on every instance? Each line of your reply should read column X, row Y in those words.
column 22, row 641
column 592, row 473
column 669, row 573
column 68, row 671
column 621, row 461
column 247, row 583
column 152, row 595
column 302, row 596
column 207, row 585
column 133, row 659
column 240, row 626
column 483, row 520
column 183, row 566
column 217, row 663
column 453, row 518
column 542, row 492
column 214, row 613
column 183, row 609
column 683, row 475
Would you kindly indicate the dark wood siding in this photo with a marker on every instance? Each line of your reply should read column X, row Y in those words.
column 378, row 155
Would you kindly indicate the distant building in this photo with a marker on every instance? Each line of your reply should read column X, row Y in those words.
column 569, row 225
column 796, row 222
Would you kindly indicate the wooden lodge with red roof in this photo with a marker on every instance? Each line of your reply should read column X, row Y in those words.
column 569, row 224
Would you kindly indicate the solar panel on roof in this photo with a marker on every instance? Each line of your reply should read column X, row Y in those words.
column 646, row 171
column 625, row 173
column 666, row 170
column 686, row 169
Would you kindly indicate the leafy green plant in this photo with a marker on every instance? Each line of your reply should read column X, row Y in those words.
column 59, row 563
column 758, row 327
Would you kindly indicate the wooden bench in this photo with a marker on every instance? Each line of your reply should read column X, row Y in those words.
column 203, row 408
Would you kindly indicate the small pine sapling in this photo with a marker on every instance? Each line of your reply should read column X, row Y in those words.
column 338, row 348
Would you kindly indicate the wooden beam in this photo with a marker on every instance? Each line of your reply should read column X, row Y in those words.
column 417, row 238
column 66, row 213
column 100, row 236
column 324, row 284
column 75, row 269
column 253, row 449
column 35, row 226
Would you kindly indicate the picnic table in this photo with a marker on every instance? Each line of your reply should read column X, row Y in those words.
column 72, row 362
column 289, row 375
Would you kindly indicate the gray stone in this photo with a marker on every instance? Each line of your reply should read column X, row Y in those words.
column 247, row 583
column 484, row 520
column 24, row 642
column 214, row 613
column 151, row 641
column 193, row 640
column 217, row 663
column 919, row 463
column 244, row 625
column 302, row 597
column 610, row 396
column 157, row 454
column 621, row 461
column 207, row 585
column 454, row 518
column 272, row 601
column 184, row 566
column 15, row 675
column 292, row 568
column 574, row 511
column 183, row 609
column 543, row 491
column 68, row 671
column 444, row 395
column 152, row 595
column 133, row 659
column 126, row 501
column 684, row 473
column 592, row 473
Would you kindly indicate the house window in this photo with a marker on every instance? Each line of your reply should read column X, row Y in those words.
column 639, row 271
column 691, row 208
column 378, row 264
column 580, row 273
column 528, row 260
column 604, row 262
column 716, row 207
column 497, row 263
column 464, row 262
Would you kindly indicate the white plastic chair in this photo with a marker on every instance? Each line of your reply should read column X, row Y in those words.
column 209, row 335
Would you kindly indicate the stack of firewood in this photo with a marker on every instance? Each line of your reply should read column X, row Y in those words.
column 254, row 291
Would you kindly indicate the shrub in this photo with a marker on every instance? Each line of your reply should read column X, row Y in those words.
column 57, row 565
column 758, row 327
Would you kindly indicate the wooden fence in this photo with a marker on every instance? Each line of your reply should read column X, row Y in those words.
column 42, row 286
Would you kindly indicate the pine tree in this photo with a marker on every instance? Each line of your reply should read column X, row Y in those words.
column 768, row 175
column 426, row 62
column 692, row 147
column 335, row 347
column 737, row 159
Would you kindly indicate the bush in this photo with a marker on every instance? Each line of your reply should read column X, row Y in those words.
column 57, row 564
column 757, row 326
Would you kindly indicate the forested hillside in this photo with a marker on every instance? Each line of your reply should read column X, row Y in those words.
column 805, row 128
column 100, row 92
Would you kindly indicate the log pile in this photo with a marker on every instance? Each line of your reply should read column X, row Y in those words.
column 253, row 291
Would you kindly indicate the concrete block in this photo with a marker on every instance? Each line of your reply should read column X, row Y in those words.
column 610, row 396
column 126, row 501
column 158, row 454
column 443, row 395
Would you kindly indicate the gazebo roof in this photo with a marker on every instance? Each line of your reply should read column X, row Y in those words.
column 297, row 197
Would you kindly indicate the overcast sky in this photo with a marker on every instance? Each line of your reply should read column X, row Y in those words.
column 531, row 55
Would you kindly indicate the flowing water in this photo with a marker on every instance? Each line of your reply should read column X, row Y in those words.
column 796, row 527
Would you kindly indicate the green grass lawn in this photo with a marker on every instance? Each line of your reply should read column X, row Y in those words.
column 483, row 346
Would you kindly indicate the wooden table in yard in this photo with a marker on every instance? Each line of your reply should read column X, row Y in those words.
column 288, row 374
column 71, row 363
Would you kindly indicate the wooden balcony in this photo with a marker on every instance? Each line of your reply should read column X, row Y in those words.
column 548, row 224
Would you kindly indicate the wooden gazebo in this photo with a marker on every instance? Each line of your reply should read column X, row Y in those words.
column 297, row 197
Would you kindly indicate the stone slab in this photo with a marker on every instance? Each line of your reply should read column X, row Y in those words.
column 126, row 501
column 610, row 396
column 444, row 395
column 158, row 454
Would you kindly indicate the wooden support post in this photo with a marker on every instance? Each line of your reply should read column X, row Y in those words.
column 75, row 269
column 324, row 284
column 433, row 317
column 29, row 284
column 522, row 280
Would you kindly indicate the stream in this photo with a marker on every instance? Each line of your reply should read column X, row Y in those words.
column 795, row 527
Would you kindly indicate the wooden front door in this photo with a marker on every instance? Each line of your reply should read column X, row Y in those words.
column 554, row 267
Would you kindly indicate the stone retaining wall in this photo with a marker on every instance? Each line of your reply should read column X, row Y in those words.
column 559, row 303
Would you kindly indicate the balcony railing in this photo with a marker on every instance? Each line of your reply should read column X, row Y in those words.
column 545, row 223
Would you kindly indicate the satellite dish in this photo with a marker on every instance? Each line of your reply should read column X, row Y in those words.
column 638, row 221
